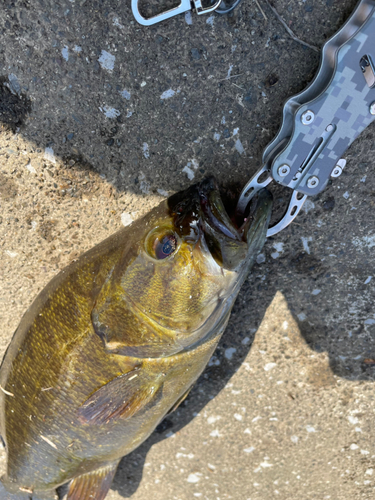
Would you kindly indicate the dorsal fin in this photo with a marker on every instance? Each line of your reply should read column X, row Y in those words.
column 94, row 485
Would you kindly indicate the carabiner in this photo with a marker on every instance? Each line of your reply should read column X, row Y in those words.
column 185, row 6
column 227, row 6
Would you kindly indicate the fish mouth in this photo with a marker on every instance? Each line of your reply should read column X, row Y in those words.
column 224, row 240
column 199, row 213
column 214, row 211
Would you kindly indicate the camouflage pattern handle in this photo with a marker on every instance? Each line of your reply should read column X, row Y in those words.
column 322, row 121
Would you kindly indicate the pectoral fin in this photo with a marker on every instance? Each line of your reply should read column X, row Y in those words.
column 93, row 486
column 122, row 397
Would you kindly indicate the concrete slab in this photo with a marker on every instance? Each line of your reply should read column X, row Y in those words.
column 114, row 117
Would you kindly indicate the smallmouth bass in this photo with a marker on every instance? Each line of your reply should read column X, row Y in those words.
column 117, row 339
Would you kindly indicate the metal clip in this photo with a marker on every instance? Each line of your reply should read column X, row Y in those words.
column 261, row 180
column 184, row 6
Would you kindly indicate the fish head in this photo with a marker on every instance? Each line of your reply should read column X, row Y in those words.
column 191, row 262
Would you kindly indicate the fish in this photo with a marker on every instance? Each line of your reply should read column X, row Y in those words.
column 117, row 339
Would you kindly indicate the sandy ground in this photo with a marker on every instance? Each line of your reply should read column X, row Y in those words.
column 112, row 118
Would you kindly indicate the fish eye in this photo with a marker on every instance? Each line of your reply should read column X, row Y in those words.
column 161, row 243
column 165, row 246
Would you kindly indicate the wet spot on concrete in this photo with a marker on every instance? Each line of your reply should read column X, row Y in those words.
column 329, row 204
column 47, row 230
column 8, row 188
column 14, row 107
column 195, row 54
column 309, row 265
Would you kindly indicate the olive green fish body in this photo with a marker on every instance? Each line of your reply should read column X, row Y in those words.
column 114, row 341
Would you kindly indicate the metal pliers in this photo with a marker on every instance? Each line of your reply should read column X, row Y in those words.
column 321, row 122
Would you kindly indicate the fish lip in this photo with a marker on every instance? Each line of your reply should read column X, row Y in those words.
column 222, row 225
column 223, row 240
